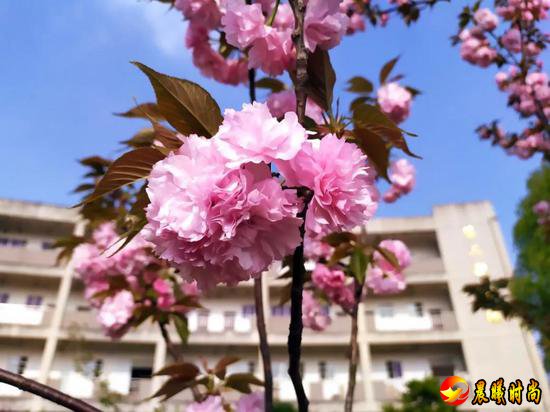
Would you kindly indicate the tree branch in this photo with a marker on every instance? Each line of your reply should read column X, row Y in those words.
column 170, row 346
column 46, row 392
column 354, row 349
column 298, row 270
column 264, row 345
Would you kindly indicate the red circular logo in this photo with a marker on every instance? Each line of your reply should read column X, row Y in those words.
column 454, row 390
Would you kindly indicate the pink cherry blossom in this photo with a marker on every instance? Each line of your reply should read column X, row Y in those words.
column 243, row 23
column 273, row 53
column 324, row 24
column 282, row 102
column 395, row 101
column 403, row 178
column 254, row 135
column 335, row 285
column 205, row 11
column 165, row 294
column 315, row 249
column 475, row 48
column 512, row 40
column 383, row 277
column 253, row 402
column 486, row 19
column 116, row 311
column 218, row 224
column 284, row 19
column 313, row 315
column 210, row 404
column 344, row 193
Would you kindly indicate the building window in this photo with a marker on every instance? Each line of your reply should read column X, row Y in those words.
column 229, row 318
column 12, row 242
column 280, row 310
column 141, row 372
column 385, row 311
column 203, row 316
column 249, row 311
column 418, row 309
column 4, row 297
column 22, row 364
column 47, row 245
column 251, row 367
column 394, row 369
column 98, row 368
column 34, row 300
column 443, row 370
column 323, row 370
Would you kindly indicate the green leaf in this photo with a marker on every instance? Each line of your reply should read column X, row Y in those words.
column 386, row 69
column 221, row 367
column 389, row 256
column 185, row 105
column 173, row 386
column 337, row 238
column 375, row 148
column 180, row 322
column 143, row 138
column 359, row 84
column 275, row 85
column 321, row 78
column 358, row 265
column 167, row 137
column 149, row 111
column 241, row 382
column 371, row 118
column 184, row 370
column 128, row 168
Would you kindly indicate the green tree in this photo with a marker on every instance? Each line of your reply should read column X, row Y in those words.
column 421, row 396
column 527, row 295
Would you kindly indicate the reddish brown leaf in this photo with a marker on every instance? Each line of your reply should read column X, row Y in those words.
column 149, row 111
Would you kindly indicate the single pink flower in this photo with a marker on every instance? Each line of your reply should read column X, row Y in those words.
column 282, row 102
column 254, row 135
column 210, row 404
column 403, row 178
column 395, row 101
column 324, row 24
column 511, row 40
column 335, row 285
column 344, row 193
column 253, row 402
column 204, row 11
column 243, row 23
column 218, row 224
column 273, row 53
column 486, row 19
column 383, row 277
column 116, row 311
column 313, row 315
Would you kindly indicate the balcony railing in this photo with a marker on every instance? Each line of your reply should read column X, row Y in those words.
column 21, row 315
column 426, row 266
column 31, row 257
column 434, row 320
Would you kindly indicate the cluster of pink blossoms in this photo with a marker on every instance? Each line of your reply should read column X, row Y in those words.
column 334, row 284
column 395, row 101
column 219, row 215
column 475, row 47
column 253, row 402
column 542, row 210
column 383, row 277
column 403, row 179
column 525, row 95
column 527, row 10
column 263, row 44
column 314, row 316
column 131, row 267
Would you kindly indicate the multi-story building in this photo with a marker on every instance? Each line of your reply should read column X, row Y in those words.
column 49, row 333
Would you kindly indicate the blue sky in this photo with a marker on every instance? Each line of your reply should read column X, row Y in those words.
column 66, row 69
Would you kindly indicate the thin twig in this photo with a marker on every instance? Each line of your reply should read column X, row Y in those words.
column 170, row 346
column 46, row 392
column 264, row 345
column 353, row 349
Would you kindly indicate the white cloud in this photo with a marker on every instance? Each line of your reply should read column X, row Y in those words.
column 164, row 26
